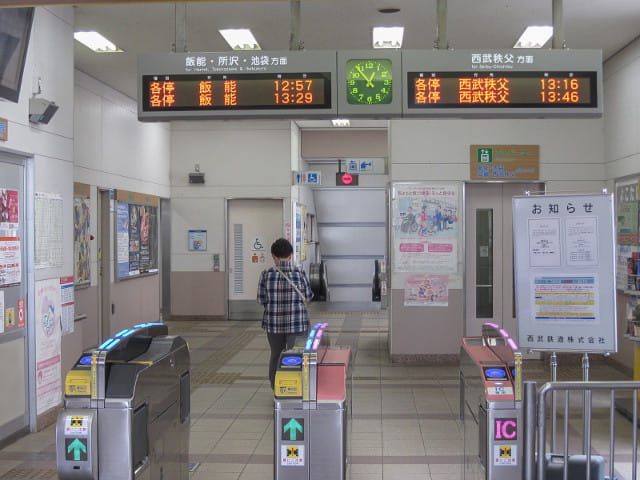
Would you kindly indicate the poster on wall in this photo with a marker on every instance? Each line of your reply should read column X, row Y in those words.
column 67, row 303
column 47, row 317
column 81, row 237
column 10, row 261
column 425, row 228
column 136, row 239
column 9, row 212
column 122, row 239
column 627, row 223
column 426, row 290
column 49, row 233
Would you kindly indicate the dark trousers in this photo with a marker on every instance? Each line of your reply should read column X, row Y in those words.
column 279, row 342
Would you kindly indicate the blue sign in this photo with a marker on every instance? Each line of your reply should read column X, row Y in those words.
column 312, row 177
column 352, row 166
column 366, row 166
column 291, row 361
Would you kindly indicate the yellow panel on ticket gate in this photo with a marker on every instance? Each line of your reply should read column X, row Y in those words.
column 288, row 382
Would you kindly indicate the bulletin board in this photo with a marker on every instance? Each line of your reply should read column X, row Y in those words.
column 136, row 234
column 564, row 260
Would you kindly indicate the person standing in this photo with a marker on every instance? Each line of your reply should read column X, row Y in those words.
column 283, row 290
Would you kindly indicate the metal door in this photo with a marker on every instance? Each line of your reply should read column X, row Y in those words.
column 14, row 328
column 252, row 226
column 489, row 254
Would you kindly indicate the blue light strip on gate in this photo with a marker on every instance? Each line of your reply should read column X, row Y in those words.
column 313, row 341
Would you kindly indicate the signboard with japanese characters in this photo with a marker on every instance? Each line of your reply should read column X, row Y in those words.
column 565, row 273
column 504, row 162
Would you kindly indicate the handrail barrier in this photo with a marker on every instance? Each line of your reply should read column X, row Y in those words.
column 614, row 388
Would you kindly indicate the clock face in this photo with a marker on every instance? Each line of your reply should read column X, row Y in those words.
column 369, row 81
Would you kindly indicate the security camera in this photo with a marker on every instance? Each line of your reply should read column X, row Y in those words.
column 41, row 110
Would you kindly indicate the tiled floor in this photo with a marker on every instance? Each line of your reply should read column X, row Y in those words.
column 405, row 418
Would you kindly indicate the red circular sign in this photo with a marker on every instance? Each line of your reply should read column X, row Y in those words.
column 347, row 179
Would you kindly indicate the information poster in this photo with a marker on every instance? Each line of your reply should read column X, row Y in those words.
column 49, row 233
column 122, row 239
column 136, row 239
column 426, row 290
column 81, row 237
column 9, row 212
column 425, row 228
column 627, row 223
column 10, row 261
column 67, row 303
column 564, row 251
column 48, row 339
column 197, row 240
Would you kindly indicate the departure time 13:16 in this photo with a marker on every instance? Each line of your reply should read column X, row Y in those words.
column 560, row 90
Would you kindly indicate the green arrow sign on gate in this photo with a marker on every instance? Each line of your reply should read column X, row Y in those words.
column 77, row 449
column 293, row 426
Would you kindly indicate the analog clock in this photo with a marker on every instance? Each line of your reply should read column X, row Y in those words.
column 369, row 81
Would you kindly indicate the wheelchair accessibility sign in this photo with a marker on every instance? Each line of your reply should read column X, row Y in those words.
column 292, row 455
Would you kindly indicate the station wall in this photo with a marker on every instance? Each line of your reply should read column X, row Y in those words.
column 571, row 160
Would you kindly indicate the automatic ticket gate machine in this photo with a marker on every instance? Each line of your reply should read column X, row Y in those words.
column 312, row 402
column 127, row 409
column 491, row 406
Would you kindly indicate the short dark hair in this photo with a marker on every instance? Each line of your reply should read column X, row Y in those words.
column 281, row 248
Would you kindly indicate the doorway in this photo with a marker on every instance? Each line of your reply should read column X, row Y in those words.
column 252, row 226
column 17, row 334
column 489, row 254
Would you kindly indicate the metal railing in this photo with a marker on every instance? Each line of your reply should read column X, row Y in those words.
column 587, row 388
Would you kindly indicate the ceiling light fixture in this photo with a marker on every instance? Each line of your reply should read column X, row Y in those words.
column 240, row 38
column 387, row 37
column 534, row 36
column 340, row 122
column 96, row 42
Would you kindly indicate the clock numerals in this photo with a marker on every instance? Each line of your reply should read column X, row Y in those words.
column 369, row 82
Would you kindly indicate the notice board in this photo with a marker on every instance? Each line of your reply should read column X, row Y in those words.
column 564, row 260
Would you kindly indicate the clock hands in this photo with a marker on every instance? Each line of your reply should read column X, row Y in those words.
column 369, row 82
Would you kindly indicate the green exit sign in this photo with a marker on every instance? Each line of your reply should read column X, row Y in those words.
column 485, row 155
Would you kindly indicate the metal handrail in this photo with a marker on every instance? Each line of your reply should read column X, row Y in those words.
column 587, row 388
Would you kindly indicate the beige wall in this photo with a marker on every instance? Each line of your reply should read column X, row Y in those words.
column 198, row 294
column 136, row 300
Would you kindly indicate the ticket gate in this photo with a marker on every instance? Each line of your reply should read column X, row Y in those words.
column 126, row 409
column 312, row 404
column 491, row 406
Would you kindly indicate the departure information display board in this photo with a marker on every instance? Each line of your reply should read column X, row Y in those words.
column 500, row 90
column 502, row 83
column 253, row 84
column 370, row 83
column 233, row 92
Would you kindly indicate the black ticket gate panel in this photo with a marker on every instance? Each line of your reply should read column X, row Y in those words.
column 127, row 409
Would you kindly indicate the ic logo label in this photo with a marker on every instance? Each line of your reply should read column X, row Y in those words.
column 505, row 429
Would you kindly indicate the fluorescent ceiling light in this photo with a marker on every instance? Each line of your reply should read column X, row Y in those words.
column 96, row 42
column 240, row 38
column 534, row 36
column 387, row 37
column 340, row 122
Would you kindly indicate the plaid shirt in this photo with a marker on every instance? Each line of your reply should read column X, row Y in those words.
column 284, row 310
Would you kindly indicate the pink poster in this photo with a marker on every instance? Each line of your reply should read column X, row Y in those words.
column 48, row 343
column 9, row 212
column 426, row 290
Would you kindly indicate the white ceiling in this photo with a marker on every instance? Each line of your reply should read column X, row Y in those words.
column 340, row 25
